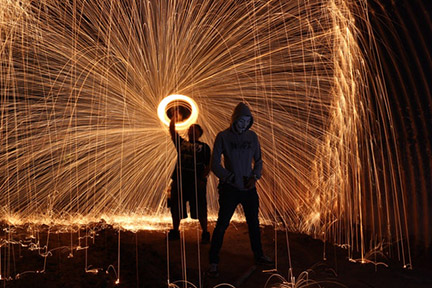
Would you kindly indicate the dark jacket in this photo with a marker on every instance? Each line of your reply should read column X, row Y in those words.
column 192, row 159
column 240, row 151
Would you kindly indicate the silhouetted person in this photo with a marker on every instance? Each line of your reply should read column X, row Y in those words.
column 237, row 177
column 189, row 179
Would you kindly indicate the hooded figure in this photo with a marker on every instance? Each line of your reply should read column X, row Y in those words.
column 240, row 147
column 241, row 168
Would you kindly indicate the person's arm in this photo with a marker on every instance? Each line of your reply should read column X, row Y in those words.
column 258, row 163
column 216, row 166
column 256, row 172
column 206, row 161
column 176, row 138
column 172, row 130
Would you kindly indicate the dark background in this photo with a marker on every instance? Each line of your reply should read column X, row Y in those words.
column 403, row 34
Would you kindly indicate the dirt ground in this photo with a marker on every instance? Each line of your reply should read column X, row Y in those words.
column 147, row 259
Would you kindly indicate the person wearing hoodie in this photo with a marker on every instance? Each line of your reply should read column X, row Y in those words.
column 189, row 179
column 242, row 167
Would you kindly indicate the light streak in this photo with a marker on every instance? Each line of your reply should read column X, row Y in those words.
column 162, row 109
column 82, row 138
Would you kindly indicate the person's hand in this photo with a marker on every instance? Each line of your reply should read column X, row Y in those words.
column 230, row 178
column 177, row 116
column 250, row 182
column 174, row 118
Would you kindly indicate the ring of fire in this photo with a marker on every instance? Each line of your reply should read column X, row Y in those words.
column 164, row 105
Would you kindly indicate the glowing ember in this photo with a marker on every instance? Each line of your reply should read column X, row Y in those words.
column 172, row 99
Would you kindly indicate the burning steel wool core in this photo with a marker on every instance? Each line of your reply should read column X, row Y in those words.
column 187, row 107
column 80, row 82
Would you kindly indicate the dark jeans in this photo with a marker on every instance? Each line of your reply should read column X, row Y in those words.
column 180, row 195
column 229, row 198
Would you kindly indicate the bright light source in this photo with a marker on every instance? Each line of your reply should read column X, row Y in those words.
column 179, row 101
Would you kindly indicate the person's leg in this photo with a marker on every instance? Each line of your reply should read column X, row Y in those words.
column 203, row 223
column 228, row 202
column 176, row 220
column 175, row 213
column 202, row 206
column 175, row 206
column 250, row 203
column 198, row 208
column 202, row 213
column 193, row 199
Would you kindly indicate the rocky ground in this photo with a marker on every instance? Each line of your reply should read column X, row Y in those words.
column 148, row 260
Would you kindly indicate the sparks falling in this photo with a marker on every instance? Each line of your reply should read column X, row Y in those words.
column 81, row 82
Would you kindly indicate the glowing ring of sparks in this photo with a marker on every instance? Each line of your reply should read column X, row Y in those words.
column 162, row 109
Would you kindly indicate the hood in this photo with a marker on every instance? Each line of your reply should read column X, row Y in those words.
column 241, row 110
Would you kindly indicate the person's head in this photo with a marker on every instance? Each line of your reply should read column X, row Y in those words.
column 241, row 119
column 195, row 132
column 242, row 124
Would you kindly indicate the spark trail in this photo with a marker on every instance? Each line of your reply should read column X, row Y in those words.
column 81, row 81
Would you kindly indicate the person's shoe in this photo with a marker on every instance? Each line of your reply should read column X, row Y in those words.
column 264, row 260
column 213, row 270
column 173, row 235
column 205, row 237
